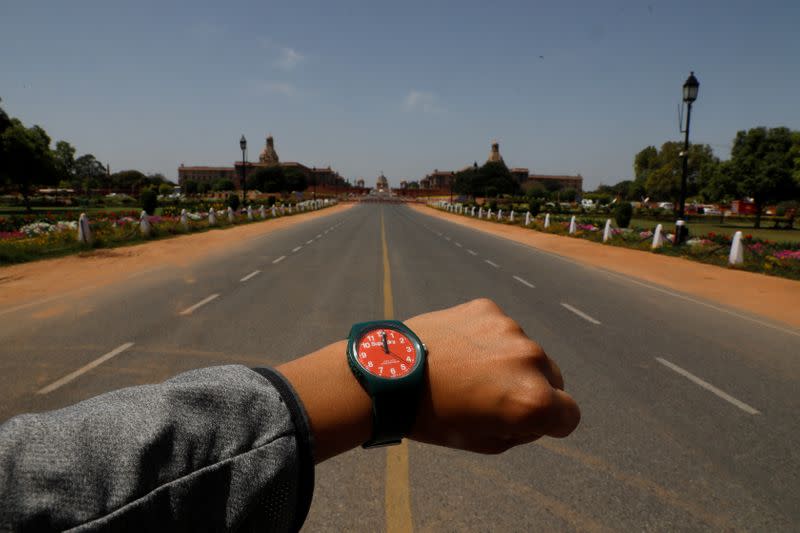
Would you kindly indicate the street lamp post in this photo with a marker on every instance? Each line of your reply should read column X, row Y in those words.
column 690, row 88
column 243, row 146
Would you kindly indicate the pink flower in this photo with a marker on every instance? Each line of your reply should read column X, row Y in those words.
column 788, row 254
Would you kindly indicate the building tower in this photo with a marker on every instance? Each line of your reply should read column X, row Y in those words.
column 382, row 183
column 494, row 155
column 268, row 155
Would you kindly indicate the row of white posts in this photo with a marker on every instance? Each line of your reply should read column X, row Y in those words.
column 85, row 233
column 735, row 257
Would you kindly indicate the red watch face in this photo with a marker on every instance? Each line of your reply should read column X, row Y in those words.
column 386, row 353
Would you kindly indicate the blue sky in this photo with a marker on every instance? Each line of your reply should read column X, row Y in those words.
column 398, row 87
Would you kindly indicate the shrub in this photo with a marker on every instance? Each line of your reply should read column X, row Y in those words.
column 493, row 205
column 148, row 200
column 534, row 207
column 271, row 201
column 623, row 214
column 233, row 201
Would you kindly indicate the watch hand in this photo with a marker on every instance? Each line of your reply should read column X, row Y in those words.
column 385, row 343
column 398, row 357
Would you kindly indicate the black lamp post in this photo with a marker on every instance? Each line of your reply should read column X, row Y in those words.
column 690, row 88
column 243, row 146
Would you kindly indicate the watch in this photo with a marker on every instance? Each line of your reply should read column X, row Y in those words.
column 388, row 360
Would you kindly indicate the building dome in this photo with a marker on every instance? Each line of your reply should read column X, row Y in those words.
column 494, row 154
column 382, row 182
column 268, row 155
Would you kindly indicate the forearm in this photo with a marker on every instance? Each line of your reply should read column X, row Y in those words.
column 197, row 451
column 338, row 408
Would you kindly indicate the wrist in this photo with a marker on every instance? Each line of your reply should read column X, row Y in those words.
column 338, row 408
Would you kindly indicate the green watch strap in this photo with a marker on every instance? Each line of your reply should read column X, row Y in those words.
column 397, row 415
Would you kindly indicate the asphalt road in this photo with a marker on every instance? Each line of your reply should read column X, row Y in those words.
column 689, row 411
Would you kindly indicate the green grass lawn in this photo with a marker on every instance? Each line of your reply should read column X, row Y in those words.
column 697, row 228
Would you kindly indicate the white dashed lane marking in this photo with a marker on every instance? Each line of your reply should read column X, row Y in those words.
column 296, row 248
column 492, row 263
column 473, row 252
column 201, row 303
column 250, row 275
column 310, row 241
column 580, row 313
column 278, row 260
column 708, row 386
column 82, row 370
column 459, row 245
column 524, row 282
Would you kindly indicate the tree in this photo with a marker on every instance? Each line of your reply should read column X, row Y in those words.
column 165, row 189
column 295, row 180
column 5, row 121
column 492, row 179
column 25, row 158
column 223, row 185
column 89, row 173
column 645, row 161
column 268, row 179
column 762, row 164
column 128, row 180
column 536, row 190
column 64, row 157
column 660, row 171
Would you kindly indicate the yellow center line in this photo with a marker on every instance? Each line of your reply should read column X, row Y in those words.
column 398, row 492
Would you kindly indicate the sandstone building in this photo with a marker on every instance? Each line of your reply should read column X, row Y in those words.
column 441, row 179
column 268, row 157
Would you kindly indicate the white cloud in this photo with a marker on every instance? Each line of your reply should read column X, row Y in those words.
column 422, row 101
column 289, row 58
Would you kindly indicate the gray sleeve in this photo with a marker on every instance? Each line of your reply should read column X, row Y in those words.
column 217, row 448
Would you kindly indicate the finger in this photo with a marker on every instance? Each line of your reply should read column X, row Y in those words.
column 548, row 367
column 566, row 415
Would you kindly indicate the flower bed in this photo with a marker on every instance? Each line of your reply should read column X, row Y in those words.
column 760, row 255
column 36, row 236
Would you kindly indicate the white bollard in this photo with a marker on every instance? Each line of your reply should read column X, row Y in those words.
column 262, row 212
column 499, row 214
column 607, row 231
column 283, row 210
column 184, row 219
column 528, row 218
column 144, row 224
column 84, row 233
column 212, row 217
column 658, row 239
column 572, row 227
column 547, row 220
column 231, row 215
column 512, row 216
column 290, row 210
column 736, row 257
column 480, row 212
column 489, row 214
column 274, row 212
column 473, row 210
column 249, row 213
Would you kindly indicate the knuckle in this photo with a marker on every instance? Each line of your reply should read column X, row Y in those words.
column 485, row 304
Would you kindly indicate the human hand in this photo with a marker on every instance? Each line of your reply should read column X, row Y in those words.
column 489, row 386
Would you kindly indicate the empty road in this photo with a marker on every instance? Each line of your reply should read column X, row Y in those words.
column 689, row 412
